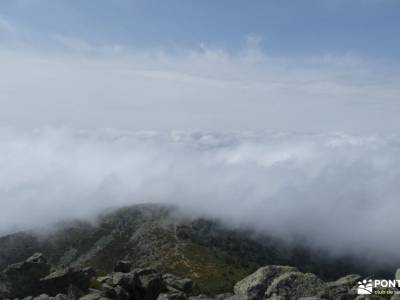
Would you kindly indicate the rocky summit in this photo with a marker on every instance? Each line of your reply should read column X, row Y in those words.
column 34, row 279
column 152, row 252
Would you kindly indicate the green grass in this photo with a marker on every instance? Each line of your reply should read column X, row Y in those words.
column 208, row 269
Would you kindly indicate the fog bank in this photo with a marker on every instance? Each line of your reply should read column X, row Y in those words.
column 337, row 191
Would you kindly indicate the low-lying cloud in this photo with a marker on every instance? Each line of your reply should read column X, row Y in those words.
column 339, row 192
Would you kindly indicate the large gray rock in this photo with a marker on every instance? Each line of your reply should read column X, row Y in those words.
column 117, row 292
column 182, row 284
column 126, row 280
column 343, row 288
column 123, row 266
column 60, row 280
column 349, row 280
column 294, row 285
column 117, row 285
column 104, row 279
column 150, row 284
column 254, row 286
column 23, row 278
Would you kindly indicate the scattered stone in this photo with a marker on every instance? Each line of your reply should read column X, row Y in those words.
column 31, row 277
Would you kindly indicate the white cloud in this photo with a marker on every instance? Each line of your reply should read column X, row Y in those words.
column 112, row 86
column 339, row 192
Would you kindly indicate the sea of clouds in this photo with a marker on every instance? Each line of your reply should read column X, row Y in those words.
column 335, row 191
column 332, row 191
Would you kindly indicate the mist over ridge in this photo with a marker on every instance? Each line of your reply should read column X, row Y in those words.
column 331, row 190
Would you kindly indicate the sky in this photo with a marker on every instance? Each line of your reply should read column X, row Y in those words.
column 309, row 66
column 365, row 27
column 279, row 115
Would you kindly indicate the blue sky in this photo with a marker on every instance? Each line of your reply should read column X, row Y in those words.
column 308, row 65
column 366, row 27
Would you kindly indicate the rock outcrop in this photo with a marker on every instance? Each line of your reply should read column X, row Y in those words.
column 214, row 255
column 254, row 286
column 61, row 281
column 23, row 278
column 148, row 252
column 32, row 280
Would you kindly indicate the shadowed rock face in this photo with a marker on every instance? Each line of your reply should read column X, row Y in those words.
column 154, row 236
column 60, row 281
column 23, row 278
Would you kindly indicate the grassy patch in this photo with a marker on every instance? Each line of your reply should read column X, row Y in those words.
column 208, row 268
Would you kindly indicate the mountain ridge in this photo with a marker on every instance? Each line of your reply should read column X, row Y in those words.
column 212, row 254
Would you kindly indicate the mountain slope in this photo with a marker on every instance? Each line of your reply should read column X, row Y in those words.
column 214, row 256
